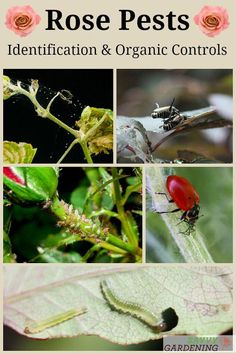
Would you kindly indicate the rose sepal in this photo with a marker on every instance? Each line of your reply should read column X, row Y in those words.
column 30, row 185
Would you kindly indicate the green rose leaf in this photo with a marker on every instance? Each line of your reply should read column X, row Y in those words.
column 200, row 296
column 17, row 152
column 7, row 90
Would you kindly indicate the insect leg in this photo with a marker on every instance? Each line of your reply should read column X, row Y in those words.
column 183, row 216
column 162, row 193
column 167, row 212
column 188, row 230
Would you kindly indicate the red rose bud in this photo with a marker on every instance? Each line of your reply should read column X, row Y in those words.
column 9, row 173
column 30, row 185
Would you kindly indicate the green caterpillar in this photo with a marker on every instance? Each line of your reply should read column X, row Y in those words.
column 40, row 326
column 156, row 322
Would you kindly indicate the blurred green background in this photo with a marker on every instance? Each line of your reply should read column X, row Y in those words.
column 214, row 186
column 15, row 341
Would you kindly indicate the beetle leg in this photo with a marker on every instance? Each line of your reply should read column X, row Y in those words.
column 169, row 200
column 183, row 216
column 167, row 212
column 187, row 231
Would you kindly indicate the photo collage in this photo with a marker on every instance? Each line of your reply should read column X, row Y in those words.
column 118, row 207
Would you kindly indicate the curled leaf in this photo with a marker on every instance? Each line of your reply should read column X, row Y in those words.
column 133, row 141
column 101, row 144
column 7, row 90
column 96, row 126
column 17, row 152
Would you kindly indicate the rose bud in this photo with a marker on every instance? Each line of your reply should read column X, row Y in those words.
column 30, row 185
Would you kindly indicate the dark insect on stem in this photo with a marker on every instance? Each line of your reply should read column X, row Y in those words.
column 170, row 115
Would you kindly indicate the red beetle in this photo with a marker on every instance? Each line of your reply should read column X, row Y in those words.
column 185, row 197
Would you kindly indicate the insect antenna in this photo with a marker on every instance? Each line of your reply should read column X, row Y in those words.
column 171, row 107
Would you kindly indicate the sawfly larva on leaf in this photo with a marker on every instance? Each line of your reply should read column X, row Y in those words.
column 158, row 322
column 36, row 327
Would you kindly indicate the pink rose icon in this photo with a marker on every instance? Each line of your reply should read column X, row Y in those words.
column 22, row 20
column 212, row 20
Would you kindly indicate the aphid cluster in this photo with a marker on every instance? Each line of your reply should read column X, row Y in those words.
column 170, row 115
